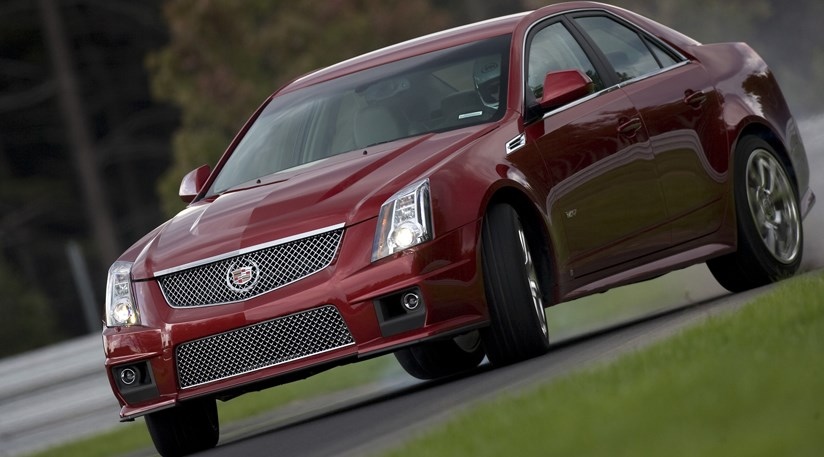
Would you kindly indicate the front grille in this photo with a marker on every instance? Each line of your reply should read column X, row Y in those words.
column 250, row 274
column 262, row 345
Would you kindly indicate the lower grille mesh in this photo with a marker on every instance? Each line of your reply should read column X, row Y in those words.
column 261, row 345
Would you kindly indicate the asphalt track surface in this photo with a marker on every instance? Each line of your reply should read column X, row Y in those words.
column 369, row 423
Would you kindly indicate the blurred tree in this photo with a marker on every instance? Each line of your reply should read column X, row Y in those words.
column 41, row 199
column 466, row 11
column 28, row 321
column 226, row 57
column 708, row 21
column 79, row 134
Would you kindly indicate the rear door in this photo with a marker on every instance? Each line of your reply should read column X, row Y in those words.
column 605, row 202
column 681, row 111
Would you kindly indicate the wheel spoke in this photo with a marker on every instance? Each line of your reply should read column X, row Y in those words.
column 778, row 219
column 759, row 167
column 763, row 228
column 771, row 240
column 771, row 166
column 534, row 287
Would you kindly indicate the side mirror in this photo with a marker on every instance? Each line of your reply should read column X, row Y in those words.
column 193, row 182
column 565, row 86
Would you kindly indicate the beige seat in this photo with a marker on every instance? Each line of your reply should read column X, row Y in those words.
column 376, row 124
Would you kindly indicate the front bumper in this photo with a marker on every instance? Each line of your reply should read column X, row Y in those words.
column 172, row 364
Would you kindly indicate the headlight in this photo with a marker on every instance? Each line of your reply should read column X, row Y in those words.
column 121, row 309
column 405, row 220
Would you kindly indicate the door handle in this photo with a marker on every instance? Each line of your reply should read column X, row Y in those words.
column 630, row 127
column 695, row 99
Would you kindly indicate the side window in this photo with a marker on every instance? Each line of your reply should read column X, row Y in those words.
column 664, row 59
column 553, row 48
column 625, row 50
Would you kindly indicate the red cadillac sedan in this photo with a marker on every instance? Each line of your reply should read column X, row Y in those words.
column 430, row 199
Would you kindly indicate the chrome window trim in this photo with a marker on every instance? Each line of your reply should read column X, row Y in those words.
column 246, row 250
column 616, row 87
column 581, row 100
column 653, row 38
column 626, row 83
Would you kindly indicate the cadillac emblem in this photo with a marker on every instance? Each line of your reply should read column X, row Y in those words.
column 241, row 276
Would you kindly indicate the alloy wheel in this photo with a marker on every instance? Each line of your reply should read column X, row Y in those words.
column 773, row 206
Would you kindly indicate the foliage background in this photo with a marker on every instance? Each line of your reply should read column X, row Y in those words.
column 164, row 85
column 218, row 82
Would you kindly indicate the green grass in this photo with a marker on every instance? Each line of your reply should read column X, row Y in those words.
column 592, row 408
column 745, row 384
column 130, row 437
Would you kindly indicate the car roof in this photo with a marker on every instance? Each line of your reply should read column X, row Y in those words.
column 416, row 46
column 454, row 37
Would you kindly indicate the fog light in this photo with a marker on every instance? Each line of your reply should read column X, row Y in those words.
column 128, row 376
column 410, row 301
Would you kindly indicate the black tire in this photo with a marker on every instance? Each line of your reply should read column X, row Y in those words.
column 517, row 329
column 438, row 359
column 770, row 232
column 187, row 428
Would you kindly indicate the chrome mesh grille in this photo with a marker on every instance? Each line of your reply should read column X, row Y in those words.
column 263, row 270
column 261, row 345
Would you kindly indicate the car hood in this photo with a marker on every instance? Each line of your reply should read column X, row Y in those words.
column 344, row 189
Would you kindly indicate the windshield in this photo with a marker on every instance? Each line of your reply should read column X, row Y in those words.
column 435, row 92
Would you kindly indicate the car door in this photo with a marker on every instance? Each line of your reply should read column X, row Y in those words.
column 605, row 203
column 681, row 111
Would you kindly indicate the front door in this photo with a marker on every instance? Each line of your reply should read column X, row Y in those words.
column 605, row 203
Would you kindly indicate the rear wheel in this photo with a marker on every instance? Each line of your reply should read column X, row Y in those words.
column 187, row 428
column 437, row 359
column 770, row 235
column 518, row 327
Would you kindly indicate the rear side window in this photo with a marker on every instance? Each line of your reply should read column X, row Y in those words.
column 629, row 54
column 664, row 59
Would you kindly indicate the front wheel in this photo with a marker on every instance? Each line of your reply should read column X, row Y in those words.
column 189, row 427
column 437, row 359
column 518, row 328
column 770, row 235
